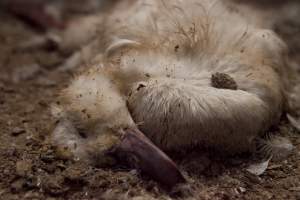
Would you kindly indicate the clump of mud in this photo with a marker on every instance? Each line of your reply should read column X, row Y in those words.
column 223, row 81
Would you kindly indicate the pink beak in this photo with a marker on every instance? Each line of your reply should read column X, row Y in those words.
column 150, row 159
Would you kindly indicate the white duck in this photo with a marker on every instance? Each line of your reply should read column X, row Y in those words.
column 185, row 73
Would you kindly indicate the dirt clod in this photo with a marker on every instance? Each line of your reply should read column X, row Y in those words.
column 23, row 167
column 223, row 81
column 17, row 185
column 54, row 185
column 26, row 72
column 16, row 131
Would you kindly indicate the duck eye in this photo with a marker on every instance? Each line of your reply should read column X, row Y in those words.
column 141, row 85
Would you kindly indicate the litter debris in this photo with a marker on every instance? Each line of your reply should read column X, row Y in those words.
column 271, row 167
column 46, row 81
column 294, row 122
column 258, row 168
column 295, row 189
column 277, row 147
column 23, row 167
column 48, row 41
column 281, row 148
column 240, row 190
column 71, row 63
column 25, row 72
column 17, row 185
column 17, row 131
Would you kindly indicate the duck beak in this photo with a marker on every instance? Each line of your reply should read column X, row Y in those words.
column 149, row 158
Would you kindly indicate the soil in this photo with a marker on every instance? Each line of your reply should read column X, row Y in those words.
column 30, row 169
column 224, row 81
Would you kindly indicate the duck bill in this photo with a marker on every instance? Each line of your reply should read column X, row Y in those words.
column 149, row 158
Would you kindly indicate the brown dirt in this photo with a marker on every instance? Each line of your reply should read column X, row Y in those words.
column 29, row 168
column 224, row 81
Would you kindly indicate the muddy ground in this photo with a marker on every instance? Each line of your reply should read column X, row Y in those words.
column 30, row 169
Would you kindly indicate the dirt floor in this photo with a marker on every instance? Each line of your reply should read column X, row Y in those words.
column 29, row 168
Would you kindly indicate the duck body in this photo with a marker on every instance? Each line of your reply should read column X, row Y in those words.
column 157, row 71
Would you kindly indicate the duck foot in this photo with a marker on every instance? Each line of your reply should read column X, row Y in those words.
column 149, row 158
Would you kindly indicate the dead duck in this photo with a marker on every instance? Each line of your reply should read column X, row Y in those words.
column 172, row 75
